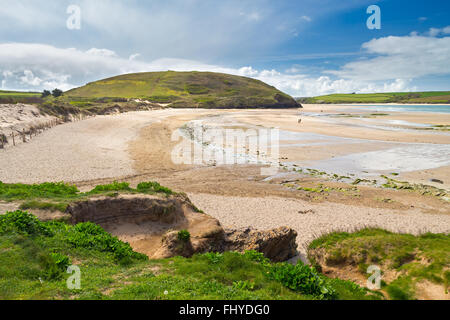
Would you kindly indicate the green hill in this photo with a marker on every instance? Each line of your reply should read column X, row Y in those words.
column 19, row 97
column 436, row 97
column 186, row 89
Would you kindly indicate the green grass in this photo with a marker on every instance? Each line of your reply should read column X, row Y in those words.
column 34, row 256
column 20, row 191
column 185, row 89
column 57, row 196
column 393, row 97
column 413, row 258
column 33, row 204
column 19, row 97
column 19, row 94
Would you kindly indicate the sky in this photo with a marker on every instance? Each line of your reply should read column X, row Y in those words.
column 302, row 47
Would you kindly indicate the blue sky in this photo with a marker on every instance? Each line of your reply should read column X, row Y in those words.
column 304, row 48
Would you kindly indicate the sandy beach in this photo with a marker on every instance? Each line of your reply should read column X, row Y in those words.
column 137, row 147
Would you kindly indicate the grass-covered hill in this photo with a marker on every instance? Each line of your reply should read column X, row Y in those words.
column 436, row 97
column 186, row 89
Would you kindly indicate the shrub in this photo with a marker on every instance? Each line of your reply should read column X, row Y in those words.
column 301, row 278
column 256, row 256
column 45, row 94
column 115, row 186
column 23, row 223
column 90, row 235
column 57, row 93
column 60, row 260
column 184, row 235
column 53, row 265
column 153, row 186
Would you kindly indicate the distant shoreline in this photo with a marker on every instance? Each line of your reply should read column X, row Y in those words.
column 378, row 104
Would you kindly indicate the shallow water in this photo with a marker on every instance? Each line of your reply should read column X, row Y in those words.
column 393, row 157
column 376, row 123
column 409, row 108
column 409, row 157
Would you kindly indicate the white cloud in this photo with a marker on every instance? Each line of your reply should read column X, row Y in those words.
column 101, row 53
column 306, row 18
column 304, row 86
column 134, row 56
column 38, row 66
column 433, row 32
column 405, row 57
column 29, row 79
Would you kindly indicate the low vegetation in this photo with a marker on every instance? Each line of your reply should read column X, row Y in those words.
column 420, row 188
column 34, row 256
column 12, row 97
column 405, row 260
column 56, row 196
column 436, row 97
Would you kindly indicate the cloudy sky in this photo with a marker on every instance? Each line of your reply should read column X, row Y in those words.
column 303, row 47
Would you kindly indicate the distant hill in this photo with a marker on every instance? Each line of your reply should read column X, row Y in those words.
column 187, row 89
column 19, row 97
column 435, row 97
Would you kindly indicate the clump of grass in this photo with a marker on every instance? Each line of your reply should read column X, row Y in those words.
column 33, row 204
column 115, row 186
column 46, row 190
column 23, row 223
column 302, row 278
column 90, row 235
column 151, row 186
column 184, row 235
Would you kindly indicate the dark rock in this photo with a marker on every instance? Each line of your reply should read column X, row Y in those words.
column 276, row 244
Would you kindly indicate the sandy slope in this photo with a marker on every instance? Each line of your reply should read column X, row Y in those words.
column 17, row 117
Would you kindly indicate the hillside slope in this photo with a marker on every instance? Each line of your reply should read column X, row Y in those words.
column 435, row 97
column 187, row 89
